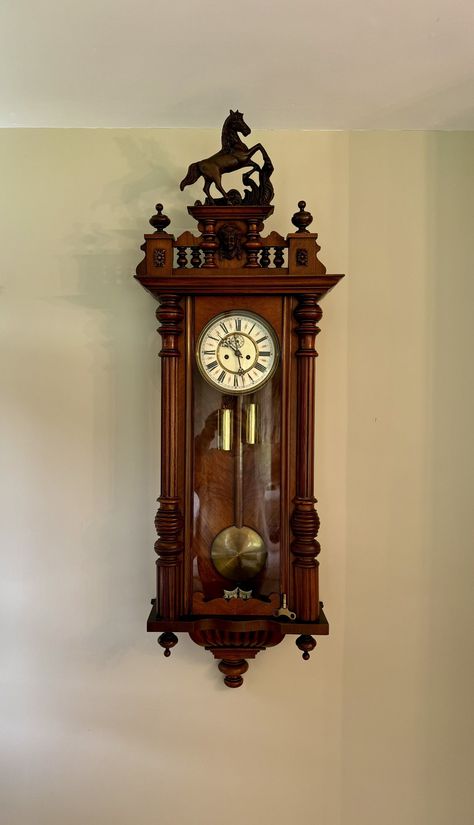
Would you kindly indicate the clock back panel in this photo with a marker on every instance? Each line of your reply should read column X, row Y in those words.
column 211, row 477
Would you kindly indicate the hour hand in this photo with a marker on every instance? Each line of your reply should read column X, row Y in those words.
column 227, row 343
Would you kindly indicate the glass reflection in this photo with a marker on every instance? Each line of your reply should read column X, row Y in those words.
column 236, row 490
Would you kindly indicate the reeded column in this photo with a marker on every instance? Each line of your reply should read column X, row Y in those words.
column 305, row 520
column 169, row 520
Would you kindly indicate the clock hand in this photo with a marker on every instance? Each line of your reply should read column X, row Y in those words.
column 232, row 343
column 239, row 356
column 227, row 343
column 234, row 347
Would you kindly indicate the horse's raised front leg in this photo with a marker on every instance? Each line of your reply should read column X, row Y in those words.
column 253, row 166
column 266, row 159
column 258, row 147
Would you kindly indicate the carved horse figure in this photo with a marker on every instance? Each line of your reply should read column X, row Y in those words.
column 233, row 155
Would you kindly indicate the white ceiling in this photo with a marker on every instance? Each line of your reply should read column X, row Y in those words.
column 306, row 64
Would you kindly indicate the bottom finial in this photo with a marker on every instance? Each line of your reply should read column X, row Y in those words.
column 233, row 670
column 306, row 644
column 167, row 640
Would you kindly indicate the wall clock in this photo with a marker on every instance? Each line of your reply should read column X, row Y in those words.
column 237, row 565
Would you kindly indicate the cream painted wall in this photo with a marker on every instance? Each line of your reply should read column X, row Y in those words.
column 97, row 727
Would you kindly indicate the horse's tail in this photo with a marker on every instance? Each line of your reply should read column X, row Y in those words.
column 193, row 174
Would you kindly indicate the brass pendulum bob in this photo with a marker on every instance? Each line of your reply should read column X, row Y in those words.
column 238, row 552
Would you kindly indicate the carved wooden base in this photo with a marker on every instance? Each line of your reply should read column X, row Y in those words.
column 233, row 642
column 234, row 647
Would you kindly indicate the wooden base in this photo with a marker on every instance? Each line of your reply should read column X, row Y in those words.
column 235, row 640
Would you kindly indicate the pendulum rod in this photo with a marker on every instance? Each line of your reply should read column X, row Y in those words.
column 238, row 466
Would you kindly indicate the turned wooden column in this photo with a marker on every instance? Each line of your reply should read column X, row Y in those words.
column 304, row 519
column 169, row 520
column 252, row 244
column 209, row 243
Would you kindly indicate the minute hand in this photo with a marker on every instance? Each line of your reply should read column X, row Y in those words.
column 239, row 356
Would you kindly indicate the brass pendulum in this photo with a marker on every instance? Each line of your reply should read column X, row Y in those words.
column 238, row 552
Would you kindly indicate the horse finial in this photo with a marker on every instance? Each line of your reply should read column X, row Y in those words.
column 234, row 154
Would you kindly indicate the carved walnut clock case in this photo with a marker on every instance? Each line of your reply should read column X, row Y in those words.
column 237, row 564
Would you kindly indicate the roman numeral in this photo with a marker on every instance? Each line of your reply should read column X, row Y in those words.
column 265, row 354
column 251, row 328
column 238, row 324
column 236, row 380
column 224, row 327
column 260, row 367
column 221, row 377
column 261, row 339
column 211, row 352
column 211, row 365
column 213, row 339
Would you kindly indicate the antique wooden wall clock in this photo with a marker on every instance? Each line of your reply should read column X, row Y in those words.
column 237, row 551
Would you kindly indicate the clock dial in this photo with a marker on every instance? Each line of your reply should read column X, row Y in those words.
column 237, row 352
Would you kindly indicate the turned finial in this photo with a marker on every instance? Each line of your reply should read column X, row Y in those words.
column 306, row 643
column 167, row 641
column 159, row 221
column 302, row 219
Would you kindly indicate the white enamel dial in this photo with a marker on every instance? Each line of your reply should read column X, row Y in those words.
column 237, row 352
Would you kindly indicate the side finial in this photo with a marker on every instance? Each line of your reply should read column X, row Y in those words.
column 159, row 221
column 306, row 643
column 302, row 219
column 167, row 641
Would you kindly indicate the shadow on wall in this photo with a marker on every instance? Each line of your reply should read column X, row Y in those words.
column 122, row 349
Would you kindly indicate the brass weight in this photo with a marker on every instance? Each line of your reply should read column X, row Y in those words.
column 224, row 429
